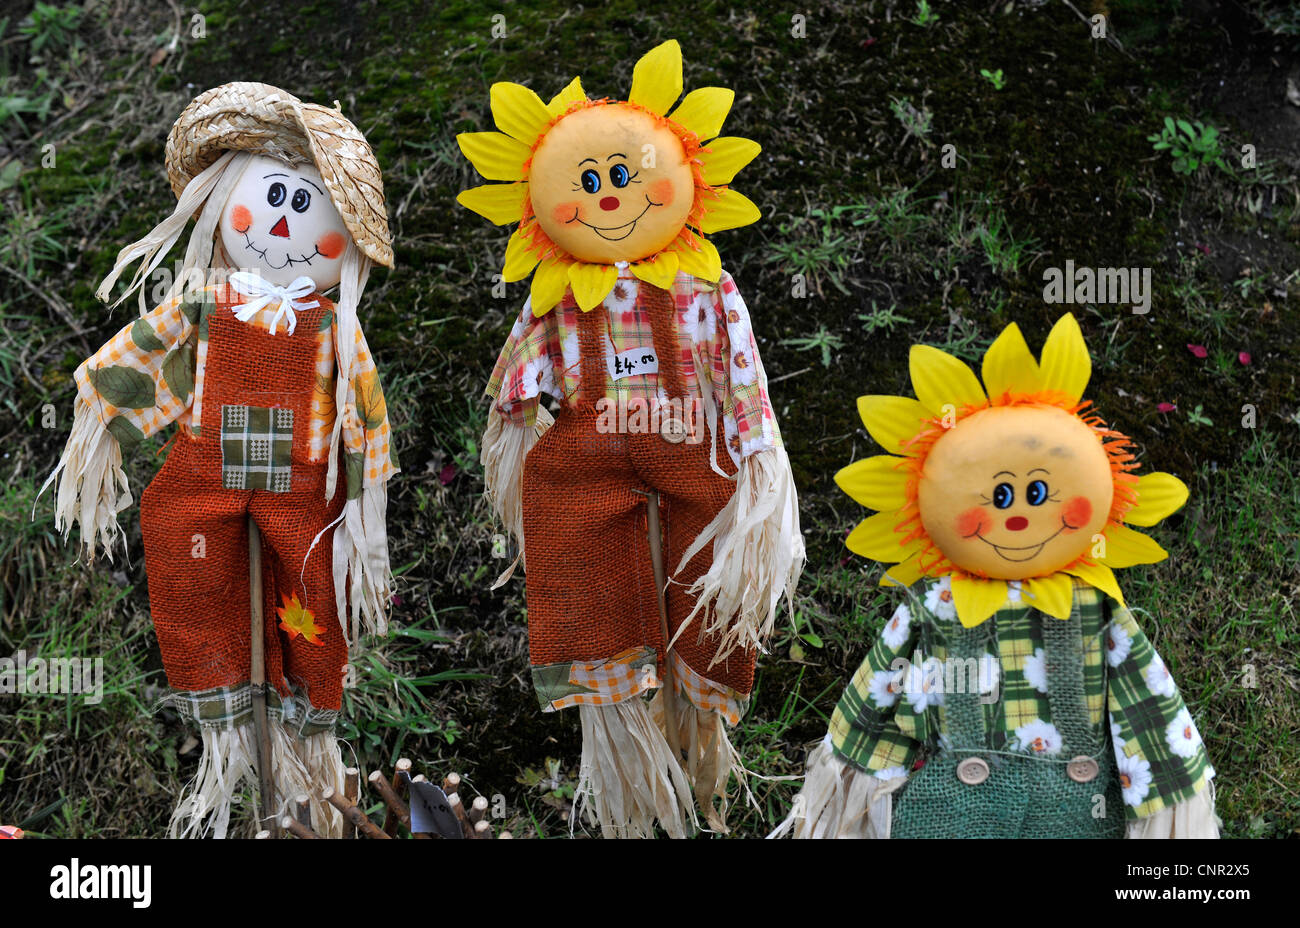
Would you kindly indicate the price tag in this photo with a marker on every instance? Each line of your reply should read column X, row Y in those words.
column 430, row 811
column 632, row 363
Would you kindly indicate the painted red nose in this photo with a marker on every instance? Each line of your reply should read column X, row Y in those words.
column 1017, row 523
column 281, row 228
column 608, row 203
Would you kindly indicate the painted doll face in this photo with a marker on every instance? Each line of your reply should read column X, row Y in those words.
column 609, row 183
column 1015, row 492
column 280, row 223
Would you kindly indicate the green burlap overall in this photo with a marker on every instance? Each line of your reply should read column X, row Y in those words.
column 1024, row 796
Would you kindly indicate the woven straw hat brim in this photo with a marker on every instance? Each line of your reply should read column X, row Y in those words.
column 259, row 118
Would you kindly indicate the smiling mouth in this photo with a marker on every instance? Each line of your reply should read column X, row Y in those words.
column 1026, row 553
column 289, row 260
column 630, row 227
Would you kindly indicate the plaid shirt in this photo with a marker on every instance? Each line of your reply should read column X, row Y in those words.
column 150, row 374
column 885, row 720
column 541, row 356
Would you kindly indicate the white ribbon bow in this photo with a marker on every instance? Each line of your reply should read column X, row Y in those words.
column 263, row 292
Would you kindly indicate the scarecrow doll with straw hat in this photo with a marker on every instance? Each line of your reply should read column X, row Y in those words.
column 1012, row 693
column 281, row 453
column 657, row 514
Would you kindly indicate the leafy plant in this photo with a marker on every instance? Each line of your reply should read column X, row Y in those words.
column 993, row 77
column 824, row 340
column 1197, row 416
column 50, row 27
column 828, row 251
column 1193, row 145
column 924, row 15
column 917, row 122
column 882, row 319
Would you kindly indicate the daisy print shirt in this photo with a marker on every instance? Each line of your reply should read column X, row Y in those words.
column 541, row 356
column 892, row 715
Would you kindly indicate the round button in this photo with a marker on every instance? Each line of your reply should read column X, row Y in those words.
column 673, row 429
column 973, row 771
column 1082, row 769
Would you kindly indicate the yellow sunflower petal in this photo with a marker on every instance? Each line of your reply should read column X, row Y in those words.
column 891, row 420
column 498, row 203
column 591, row 283
column 661, row 270
column 875, row 482
column 904, row 574
column 939, row 379
column 1065, row 364
column 570, row 94
column 704, row 110
column 1009, row 365
column 518, row 112
column 657, row 78
column 1125, row 547
column 520, row 258
column 494, row 155
column 976, row 598
column 725, row 157
column 704, row 262
column 549, row 284
column 730, row 210
column 1159, row 495
column 1053, row 594
column 1099, row 576
column 876, row 539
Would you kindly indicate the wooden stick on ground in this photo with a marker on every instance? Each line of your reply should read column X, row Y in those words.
column 297, row 828
column 397, row 809
column 669, row 690
column 257, row 676
column 352, row 813
column 352, row 792
column 458, row 807
column 302, row 809
column 451, row 784
column 399, row 787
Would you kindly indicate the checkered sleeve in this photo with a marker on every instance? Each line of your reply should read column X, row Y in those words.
column 865, row 728
column 142, row 380
column 737, row 368
column 367, row 439
column 526, row 367
column 1160, row 757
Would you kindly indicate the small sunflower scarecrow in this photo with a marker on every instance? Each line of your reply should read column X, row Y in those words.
column 275, row 397
column 644, row 340
column 1011, row 694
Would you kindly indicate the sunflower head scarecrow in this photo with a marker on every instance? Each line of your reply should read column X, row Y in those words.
column 281, row 423
column 635, row 329
column 1012, row 690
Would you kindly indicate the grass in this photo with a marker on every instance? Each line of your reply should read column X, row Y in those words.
column 894, row 249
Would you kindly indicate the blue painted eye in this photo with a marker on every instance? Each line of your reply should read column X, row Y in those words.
column 301, row 200
column 590, row 181
column 618, row 175
column 275, row 195
column 1036, row 493
column 1003, row 495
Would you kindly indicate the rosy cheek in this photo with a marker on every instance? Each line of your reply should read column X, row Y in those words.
column 973, row 522
column 240, row 219
column 1077, row 512
column 567, row 212
column 331, row 244
column 663, row 192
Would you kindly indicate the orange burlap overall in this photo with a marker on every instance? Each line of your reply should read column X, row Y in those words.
column 590, row 585
column 195, row 526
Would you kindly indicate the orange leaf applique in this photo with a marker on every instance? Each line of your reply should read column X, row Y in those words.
column 296, row 620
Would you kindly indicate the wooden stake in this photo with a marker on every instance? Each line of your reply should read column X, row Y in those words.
column 303, row 809
column 466, row 827
column 399, row 786
column 397, row 809
column 257, row 675
column 669, row 689
column 352, row 813
column 297, row 828
column 351, row 791
column 451, row 784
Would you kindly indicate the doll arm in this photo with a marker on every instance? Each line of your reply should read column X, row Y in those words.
column 758, row 549
column 524, row 370
column 1165, row 774
column 141, row 381
column 363, row 577
column 874, row 739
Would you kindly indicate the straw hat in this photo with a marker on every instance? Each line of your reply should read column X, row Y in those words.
column 248, row 116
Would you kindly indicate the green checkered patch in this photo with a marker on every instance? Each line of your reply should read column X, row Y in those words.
column 256, row 448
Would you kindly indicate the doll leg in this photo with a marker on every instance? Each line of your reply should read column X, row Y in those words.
column 308, row 674
column 196, row 558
